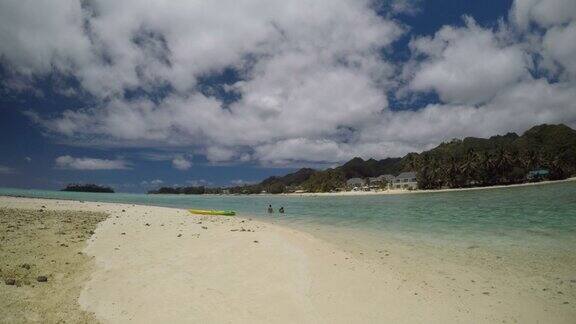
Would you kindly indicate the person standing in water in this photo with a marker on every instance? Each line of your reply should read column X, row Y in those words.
column 270, row 209
column 281, row 210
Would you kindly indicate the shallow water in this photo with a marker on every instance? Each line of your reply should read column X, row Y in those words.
column 502, row 247
column 541, row 216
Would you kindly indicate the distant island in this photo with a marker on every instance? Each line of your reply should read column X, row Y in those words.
column 544, row 152
column 87, row 188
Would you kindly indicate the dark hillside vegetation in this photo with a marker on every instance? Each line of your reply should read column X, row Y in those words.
column 87, row 188
column 468, row 162
column 499, row 159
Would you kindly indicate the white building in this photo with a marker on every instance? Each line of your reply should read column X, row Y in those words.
column 406, row 180
column 355, row 183
column 379, row 181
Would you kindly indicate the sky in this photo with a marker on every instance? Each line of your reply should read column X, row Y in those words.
column 137, row 95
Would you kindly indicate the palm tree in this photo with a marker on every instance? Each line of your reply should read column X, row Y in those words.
column 414, row 162
column 429, row 175
column 558, row 167
column 469, row 167
column 529, row 160
column 502, row 164
column 484, row 167
column 450, row 172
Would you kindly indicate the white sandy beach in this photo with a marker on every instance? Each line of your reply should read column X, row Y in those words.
column 163, row 265
column 403, row 191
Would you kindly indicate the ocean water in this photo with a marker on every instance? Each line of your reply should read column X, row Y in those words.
column 542, row 216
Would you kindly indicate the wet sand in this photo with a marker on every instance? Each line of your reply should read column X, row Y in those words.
column 42, row 268
column 156, row 264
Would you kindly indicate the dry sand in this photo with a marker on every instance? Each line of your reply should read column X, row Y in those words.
column 158, row 264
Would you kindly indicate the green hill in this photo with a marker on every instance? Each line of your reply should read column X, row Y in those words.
column 500, row 159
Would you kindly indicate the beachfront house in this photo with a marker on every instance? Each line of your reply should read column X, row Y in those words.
column 355, row 183
column 381, row 182
column 537, row 175
column 406, row 180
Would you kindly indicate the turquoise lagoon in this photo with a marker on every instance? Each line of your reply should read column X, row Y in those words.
column 542, row 216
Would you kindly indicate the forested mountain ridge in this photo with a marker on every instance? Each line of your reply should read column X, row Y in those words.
column 472, row 161
column 498, row 159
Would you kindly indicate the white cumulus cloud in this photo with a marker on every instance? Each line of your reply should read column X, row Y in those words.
column 544, row 13
column 6, row 170
column 181, row 163
column 84, row 163
column 152, row 183
column 241, row 182
column 198, row 183
column 468, row 64
column 312, row 77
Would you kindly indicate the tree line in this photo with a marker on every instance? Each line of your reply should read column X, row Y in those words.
column 87, row 188
column 502, row 159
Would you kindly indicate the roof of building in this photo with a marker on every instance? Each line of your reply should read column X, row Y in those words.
column 355, row 181
column 406, row 175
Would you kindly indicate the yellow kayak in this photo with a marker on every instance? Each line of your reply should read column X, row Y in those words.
column 212, row 212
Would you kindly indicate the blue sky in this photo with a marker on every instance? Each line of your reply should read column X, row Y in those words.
column 232, row 92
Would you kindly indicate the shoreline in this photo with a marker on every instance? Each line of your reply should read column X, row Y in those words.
column 161, row 264
column 418, row 191
column 314, row 194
